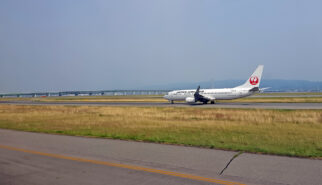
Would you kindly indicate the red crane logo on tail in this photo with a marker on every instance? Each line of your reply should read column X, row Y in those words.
column 253, row 80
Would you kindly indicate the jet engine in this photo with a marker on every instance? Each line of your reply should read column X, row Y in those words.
column 190, row 100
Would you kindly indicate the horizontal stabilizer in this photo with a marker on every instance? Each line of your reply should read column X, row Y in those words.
column 263, row 89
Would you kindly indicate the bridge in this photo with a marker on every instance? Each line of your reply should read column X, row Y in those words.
column 87, row 93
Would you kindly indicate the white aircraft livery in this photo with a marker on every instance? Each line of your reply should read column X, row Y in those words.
column 250, row 87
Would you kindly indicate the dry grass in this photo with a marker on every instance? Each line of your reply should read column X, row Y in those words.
column 284, row 132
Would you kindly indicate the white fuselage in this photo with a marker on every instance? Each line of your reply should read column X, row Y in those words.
column 250, row 87
column 214, row 94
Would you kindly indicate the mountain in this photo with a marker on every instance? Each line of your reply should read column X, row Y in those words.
column 274, row 84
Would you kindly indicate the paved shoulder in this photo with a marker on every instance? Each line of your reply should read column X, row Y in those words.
column 49, row 156
column 190, row 161
column 266, row 169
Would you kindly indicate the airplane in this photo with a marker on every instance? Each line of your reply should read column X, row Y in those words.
column 191, row 96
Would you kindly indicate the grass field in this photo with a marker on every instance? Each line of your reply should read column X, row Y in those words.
column 282, row 132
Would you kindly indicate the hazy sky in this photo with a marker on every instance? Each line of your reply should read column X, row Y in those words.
column 53, row 45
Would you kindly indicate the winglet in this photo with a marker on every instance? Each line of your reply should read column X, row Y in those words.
column 197, row 91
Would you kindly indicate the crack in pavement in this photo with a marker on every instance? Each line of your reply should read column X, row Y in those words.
column 235, row 156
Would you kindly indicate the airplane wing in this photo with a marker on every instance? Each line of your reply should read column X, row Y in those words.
column 263, row 89
column 201, row 98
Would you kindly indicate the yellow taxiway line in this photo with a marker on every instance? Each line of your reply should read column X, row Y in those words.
column 132, row 167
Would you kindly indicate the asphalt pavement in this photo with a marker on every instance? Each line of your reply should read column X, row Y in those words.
column 35, row 158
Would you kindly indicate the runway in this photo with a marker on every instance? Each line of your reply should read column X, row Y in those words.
column 34, row 158
column 154, row 104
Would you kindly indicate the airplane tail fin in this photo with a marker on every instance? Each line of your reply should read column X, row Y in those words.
column 254, row 80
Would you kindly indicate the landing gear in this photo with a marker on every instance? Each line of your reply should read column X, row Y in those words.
column 212, row 102
column 204, row 102
column 171, row 101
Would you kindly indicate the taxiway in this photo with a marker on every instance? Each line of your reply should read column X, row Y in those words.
column 154, row 104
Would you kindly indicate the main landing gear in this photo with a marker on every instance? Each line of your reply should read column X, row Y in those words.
column 171, row 101
column 211, row 102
